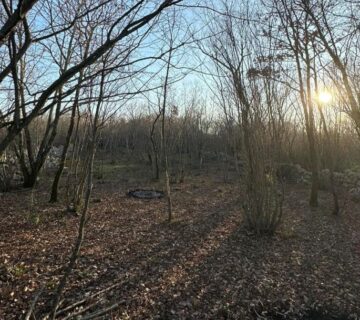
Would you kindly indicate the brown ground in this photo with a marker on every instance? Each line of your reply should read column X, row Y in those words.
column 204, row 265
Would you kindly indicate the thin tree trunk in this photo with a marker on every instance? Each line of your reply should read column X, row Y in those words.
column 81, row 232
column 314, row 174
column 164, row 142
column 84, row 215
column 55, row 185
column 336, row 208
column 155, row 148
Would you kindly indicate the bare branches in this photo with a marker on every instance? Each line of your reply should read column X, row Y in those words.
column 15, row 17
column 130, row 28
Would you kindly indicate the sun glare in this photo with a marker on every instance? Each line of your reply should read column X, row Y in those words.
column 324, row 97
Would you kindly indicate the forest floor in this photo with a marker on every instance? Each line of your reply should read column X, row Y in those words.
column 203, row 265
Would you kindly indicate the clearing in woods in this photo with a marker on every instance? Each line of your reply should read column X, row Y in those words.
column 203, row 265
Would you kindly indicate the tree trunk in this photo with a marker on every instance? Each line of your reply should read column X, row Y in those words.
column 314, row 175
column 163, row 137
column 55, row 185
column 30, row 179
column 88, row 177
column 81, row 232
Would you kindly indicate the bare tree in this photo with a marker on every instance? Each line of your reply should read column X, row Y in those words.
column 234, row 54
column 154, row 146
column 163, row 134
column 130, row 20
column 339, row 38
column 296, row 39
column 14, row 16
column 91, row 143
column 32, row 161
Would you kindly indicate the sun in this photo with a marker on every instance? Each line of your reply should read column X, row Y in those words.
column 324, row 97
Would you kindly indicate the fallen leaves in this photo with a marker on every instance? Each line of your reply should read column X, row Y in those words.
column 204, row 265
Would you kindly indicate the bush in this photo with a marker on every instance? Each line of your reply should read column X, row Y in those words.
column 263, row 205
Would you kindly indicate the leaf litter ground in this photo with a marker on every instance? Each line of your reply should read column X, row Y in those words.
column 204, row 265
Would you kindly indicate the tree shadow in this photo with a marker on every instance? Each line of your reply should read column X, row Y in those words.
column 154, row 252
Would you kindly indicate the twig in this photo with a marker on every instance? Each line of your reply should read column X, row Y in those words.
column 78, row 303
column 101, row 312
column 70, row 316
column 33, row 303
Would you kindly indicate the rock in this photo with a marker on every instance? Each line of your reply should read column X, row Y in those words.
column 324, row 179
column 351, row 179
column 292, row 173
column 53, row 158
column 355, row 194
column 17, row 178
column 56, row 151
column 339, row 177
